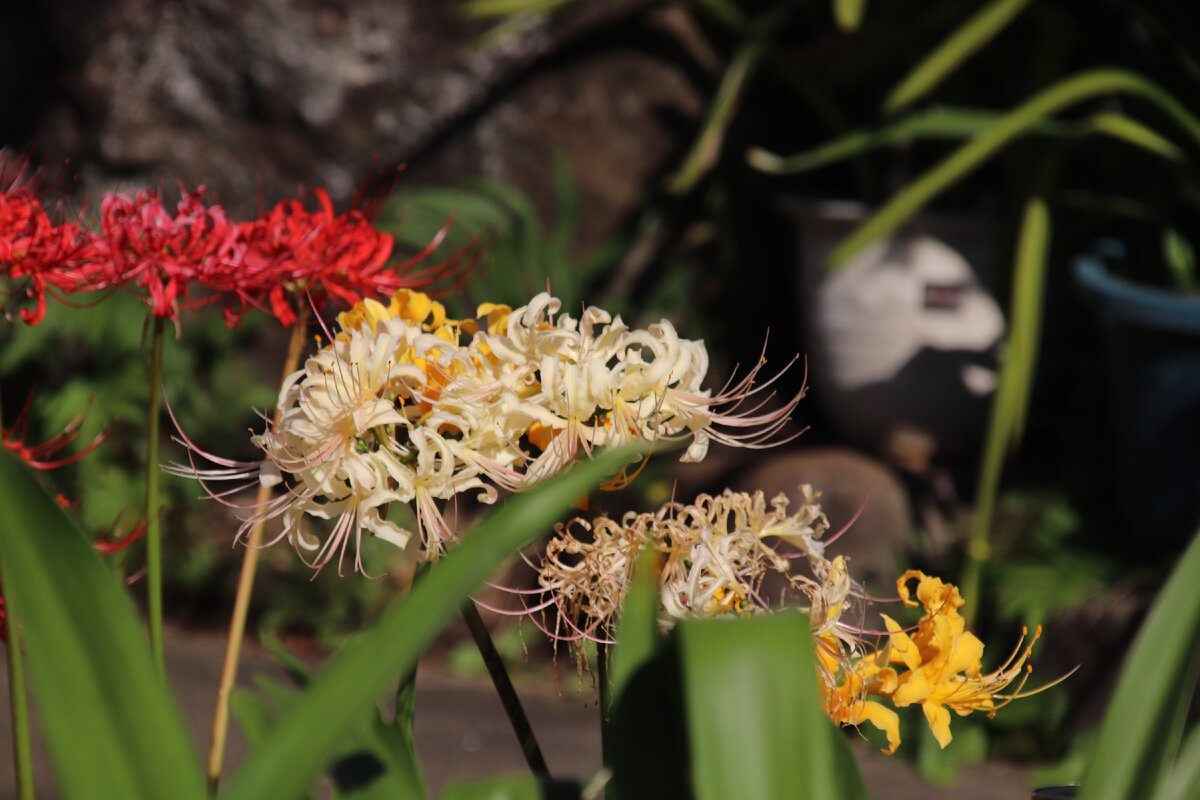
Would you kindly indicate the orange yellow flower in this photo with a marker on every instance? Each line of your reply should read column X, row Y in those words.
column 943, row 660
column 845, row 683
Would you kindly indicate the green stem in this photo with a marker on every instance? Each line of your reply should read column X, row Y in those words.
column 504, row 688
column 19, row 710
column 605, row 692
column 153, row 523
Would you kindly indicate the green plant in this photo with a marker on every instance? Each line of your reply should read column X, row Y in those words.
column 83, row 642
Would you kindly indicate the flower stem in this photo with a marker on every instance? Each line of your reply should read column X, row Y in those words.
column 245, row 587
column 605, row 693
column 153, row 522
column 19, row 710
column 504, row 688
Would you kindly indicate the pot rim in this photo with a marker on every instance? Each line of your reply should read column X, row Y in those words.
column 1129, row 302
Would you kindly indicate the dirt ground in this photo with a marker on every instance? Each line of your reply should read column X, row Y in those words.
column 462, row 731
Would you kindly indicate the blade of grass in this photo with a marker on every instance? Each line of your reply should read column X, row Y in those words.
column 754, row 716
column 1181, row 260
column 502, row 8
column 1184, row 780
column 1010, row 402
column 512, row 788
column 110, row 724
column 973, row 153
column 295, row 751
column 973, row 34
column 18, row 706
column 707, row 147
column 954, row 122
column 1133, row 132
column 942, row 122
column 1141, row 731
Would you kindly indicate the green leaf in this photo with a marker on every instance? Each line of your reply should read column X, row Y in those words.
column 706, row 149
column 1184, row 781
column 942, row 122
column 984, row 145
column 977, row 31
column 1014, row 388
column 310, row 731
column 637, row 636
column 754, row 717
column 954, row 122
column 1133, row 132
column 503, row 8
column 1025, row 314
column 519, row 787
column 849, row 14
column 1141, row 731
column 109, row 722
column 1181, row 260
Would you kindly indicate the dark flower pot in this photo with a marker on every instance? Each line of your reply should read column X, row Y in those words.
column 1153, row 339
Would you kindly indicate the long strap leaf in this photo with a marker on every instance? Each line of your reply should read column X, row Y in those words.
column 110, row 724
column 977, row 31
column 1141, row 732
column 755, row 724
column 297, row 749
column 983, row 146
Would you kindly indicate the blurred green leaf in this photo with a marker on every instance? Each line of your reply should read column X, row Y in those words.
column 638, row 633
column 985, row 144
column 309, row 732
column 110, row 724
column 942, row 122
column 1025, row 314
column 849, row 14
column 1010, row 402
column 706, row 148
column 1141, row 731
column 1181, row 260
column 977, row 31
column 1184, row 780
column 1128, row 129
column 755, row 724
column 516, row 787
column 503, row 8
column 954, row 122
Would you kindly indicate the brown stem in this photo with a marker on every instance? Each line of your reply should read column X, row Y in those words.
column 241, row 602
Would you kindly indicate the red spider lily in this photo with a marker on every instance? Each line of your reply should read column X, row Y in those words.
column 146, row 245
column 55, row 258
column 293, row 255
column 36, row 455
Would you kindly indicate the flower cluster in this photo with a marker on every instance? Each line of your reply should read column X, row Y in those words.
column 195, row 254
column 407, row 405
column 732, row 554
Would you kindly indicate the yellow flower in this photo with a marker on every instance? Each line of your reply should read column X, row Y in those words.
column 845, row 683
column 943, row 660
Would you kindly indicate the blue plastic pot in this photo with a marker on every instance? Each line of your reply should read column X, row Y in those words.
column 1153, row 337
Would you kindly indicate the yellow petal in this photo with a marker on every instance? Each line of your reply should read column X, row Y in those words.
column 885, row 720
column 412, row 306
column 939, row 722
